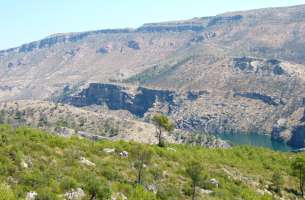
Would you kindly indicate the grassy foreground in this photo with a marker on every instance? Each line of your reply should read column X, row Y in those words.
column 31, row 160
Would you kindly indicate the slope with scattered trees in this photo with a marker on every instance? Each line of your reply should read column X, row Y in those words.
column 51, row 167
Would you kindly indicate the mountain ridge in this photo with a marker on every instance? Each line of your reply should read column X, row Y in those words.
column 163, row 22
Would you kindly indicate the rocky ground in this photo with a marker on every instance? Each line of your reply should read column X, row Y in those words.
column 93, row 123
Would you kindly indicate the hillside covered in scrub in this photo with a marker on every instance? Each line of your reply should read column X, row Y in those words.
column 37, row 165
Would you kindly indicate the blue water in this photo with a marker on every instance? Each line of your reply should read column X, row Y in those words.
column 254, row 139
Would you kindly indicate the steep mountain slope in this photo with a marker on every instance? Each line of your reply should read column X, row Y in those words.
column 240, row 71
column 108, row 55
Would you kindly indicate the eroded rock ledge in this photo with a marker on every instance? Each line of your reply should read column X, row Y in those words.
column 264, row 98
column 137, row 101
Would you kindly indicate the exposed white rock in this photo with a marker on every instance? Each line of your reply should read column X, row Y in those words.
column 153, row 188
column 75, row 194
column 124, row 154
column 119, row 196
column 84, row 161
column 267, row 192
column 171, row 149
column 261, row 192
column 24, row 164
column 31, row 196
column 214, row 182
column 109, row 150
column 204, row 191
column 281, row 122
column 65, row 132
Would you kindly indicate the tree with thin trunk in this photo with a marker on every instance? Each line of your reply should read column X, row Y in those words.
column 194, row 170
column 162, row 122
column 141, row 159
column 298, row 169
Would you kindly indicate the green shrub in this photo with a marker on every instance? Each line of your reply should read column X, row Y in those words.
column 139, row 193
column 168, row 192
column 68, row 183
column 97, row 188
column 6, row 193
column 46, row 194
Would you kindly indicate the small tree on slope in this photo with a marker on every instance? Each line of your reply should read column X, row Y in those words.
column 194, row 170
column 162, row 122
column 141, row 159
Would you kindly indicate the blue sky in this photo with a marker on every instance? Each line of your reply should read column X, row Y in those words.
column 23, row 21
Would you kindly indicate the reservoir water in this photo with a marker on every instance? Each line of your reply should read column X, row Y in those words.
column 253, row 139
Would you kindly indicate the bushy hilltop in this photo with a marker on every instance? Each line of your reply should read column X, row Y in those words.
column 44, row 166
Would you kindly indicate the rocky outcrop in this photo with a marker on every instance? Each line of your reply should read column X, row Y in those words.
column 143, row 101
column 298, row 137
column 87, row 162
column 219, row 20
column 197, row 25
column 5, row 88
column 155, row 27
column 75, row 194
column 261, row 97
column 294, row 136
column 280, row 132
column 102, row 50
column 259, row 66
column 133, row 45
column 208, row 124
column 116, row 97
column 194, row 95
column 61, row 38
column 291, row 130
column 31, row 195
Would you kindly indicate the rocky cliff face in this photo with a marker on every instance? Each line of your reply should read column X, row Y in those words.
column 60, row 38
column 291, row 129
column 115, row 97
column 298, row 137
